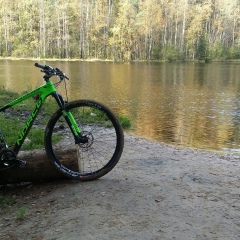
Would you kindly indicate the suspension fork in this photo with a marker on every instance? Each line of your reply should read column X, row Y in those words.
column 79, row 138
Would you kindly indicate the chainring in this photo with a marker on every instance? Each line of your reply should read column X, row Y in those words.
column 7, row 158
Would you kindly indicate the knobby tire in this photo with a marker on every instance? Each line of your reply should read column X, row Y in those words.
column 85, row 161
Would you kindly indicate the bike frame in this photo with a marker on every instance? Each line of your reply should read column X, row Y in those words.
column 44, row 91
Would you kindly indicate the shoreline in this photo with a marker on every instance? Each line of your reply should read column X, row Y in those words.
column 118, row 61
column 229, row 152
column 154, row 192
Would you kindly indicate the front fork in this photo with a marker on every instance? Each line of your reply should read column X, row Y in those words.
column 79, row 138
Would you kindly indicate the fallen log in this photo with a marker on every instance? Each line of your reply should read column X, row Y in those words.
column 38, row 168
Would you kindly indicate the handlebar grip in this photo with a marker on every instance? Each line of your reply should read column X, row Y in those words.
column 40, row 65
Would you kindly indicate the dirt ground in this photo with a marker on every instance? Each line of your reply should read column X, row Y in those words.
column 154, row 192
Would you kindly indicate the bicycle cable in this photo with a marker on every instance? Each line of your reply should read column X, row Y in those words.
column 66, row 92
column 65, row 87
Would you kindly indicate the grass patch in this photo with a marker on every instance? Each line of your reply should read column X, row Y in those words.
column 9, row 131
column 6, row 96
column 91, row 115
column 5, row 201
column 34, row 139
column 20, row 214
column 124, row 121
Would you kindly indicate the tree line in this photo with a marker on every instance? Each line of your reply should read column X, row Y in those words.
column 120, row 29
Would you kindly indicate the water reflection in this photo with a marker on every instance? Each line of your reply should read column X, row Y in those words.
column 188, row 104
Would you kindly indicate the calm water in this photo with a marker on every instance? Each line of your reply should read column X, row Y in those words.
column 187, row 104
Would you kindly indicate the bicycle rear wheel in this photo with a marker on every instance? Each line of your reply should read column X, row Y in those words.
column 85, row 161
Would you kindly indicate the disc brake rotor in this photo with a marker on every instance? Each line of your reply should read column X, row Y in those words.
column 90, row 139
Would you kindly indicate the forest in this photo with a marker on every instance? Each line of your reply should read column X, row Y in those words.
column 120, row 30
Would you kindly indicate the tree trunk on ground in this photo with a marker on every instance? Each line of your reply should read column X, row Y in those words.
column 38, row 168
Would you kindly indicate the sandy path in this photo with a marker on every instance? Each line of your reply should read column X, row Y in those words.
column 155, row 192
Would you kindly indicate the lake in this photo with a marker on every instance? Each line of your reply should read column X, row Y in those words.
column 187, row 104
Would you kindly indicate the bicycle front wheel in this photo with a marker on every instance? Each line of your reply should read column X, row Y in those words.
column 85, row 161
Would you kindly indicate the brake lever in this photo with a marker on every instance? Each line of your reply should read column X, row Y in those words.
column 64, row 74
column 60, row 74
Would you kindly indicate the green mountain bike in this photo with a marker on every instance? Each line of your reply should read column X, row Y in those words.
column 83, row 138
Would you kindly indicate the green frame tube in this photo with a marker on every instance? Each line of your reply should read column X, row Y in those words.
column 44, row 91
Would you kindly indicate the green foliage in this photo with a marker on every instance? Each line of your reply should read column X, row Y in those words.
column 5, row 201
column 202, row 48
column 124, row 121
column 10, row 132
column 218, row 51
column 95, row 116
column 20, row 213
column 234, row 53
column 120, row 29
column 171, row 54
column 35, row 139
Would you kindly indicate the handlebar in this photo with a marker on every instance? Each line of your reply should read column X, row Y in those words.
column 40, row 65
column 50, row 71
